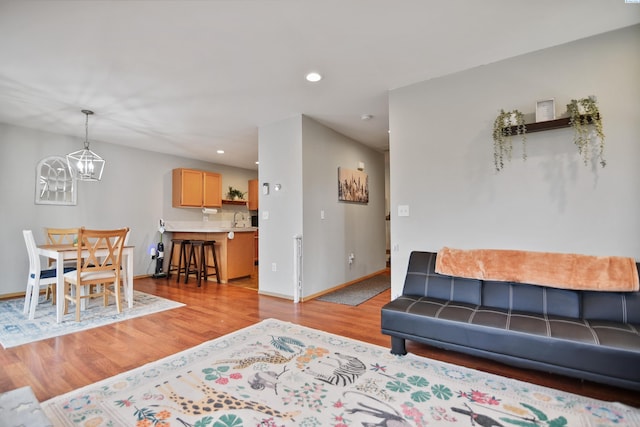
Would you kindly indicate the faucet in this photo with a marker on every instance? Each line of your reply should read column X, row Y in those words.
column 235, row 221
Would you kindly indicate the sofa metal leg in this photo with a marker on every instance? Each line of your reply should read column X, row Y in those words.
column 398, row 346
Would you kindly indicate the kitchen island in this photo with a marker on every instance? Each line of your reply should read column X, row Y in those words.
column 234, row 246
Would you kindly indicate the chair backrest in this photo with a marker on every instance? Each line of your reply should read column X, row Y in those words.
column 94, row 240
column 34, row 258
column 61, row 236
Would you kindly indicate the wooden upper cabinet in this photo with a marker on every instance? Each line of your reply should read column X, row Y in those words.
column 196, row 189
column 212, row 191
column 253, row 195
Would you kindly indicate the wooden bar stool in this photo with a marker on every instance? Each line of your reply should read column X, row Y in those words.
column 181, row 266
column 194, row 264
column 205, row 267
column 197, row 261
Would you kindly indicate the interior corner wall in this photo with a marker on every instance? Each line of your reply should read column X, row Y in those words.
column 441, row 157
column 280, row 156
column 332, row 230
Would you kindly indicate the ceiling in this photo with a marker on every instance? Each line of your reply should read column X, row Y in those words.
column 188, row 78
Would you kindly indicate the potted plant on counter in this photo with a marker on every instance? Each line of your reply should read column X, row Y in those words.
column 582, row 114
column 507, row 124
column 235, row 194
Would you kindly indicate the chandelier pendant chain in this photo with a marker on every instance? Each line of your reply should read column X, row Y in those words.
column 86, row 128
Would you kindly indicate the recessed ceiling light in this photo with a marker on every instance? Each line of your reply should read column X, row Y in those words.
column 257, row 162
column 220, row 151
column 313, row 77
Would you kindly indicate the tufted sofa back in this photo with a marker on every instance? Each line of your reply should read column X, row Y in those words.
column 422, row 280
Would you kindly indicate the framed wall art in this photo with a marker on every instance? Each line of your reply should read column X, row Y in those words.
column 54, row 183
column 353, row 186
column 545, row 110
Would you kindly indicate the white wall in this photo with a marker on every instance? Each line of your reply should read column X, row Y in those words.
column 135, row 191
column 303, row 156
column 280, row 156
column 347, row 227
column 441, row 157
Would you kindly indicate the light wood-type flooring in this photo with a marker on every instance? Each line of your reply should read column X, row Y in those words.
column 58, row 365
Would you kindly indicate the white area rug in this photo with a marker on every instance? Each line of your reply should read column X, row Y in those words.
column 20, row 408
column 280, row 374
column 16, row 329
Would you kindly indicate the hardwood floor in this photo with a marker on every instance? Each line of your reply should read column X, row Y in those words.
column 58, row 365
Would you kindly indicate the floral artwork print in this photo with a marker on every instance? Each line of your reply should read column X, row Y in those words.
column 277, row 374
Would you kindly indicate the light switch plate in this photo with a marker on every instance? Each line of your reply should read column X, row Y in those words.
column 265, row 214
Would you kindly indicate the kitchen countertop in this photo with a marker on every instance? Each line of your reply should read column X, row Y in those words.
column 205, row 227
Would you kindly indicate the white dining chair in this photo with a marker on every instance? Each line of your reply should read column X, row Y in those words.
column 37, row 278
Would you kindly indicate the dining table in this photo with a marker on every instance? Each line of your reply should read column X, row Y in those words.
column 65, row 252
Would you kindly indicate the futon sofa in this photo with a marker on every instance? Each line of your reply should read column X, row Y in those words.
column 592, row 335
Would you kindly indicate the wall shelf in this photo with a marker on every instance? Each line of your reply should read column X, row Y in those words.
column 549, row 124
column 234, row 202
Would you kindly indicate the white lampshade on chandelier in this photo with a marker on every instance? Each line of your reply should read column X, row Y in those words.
column 86, row 165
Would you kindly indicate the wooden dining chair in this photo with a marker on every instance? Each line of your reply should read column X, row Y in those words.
column 60, row 236
column 94, row 269
column 37, row 278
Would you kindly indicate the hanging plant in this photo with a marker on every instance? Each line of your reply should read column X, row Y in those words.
column 582, row 114
column 507, row 124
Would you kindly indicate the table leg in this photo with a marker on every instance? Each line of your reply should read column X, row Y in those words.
column 129, row 290
column 59, row 287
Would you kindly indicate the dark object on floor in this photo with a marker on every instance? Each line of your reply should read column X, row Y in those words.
column 592, row 335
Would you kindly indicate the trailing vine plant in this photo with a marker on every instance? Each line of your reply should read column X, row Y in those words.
column 507, row 124
column 583, row 113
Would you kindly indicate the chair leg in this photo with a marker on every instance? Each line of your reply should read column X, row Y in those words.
column 203, row 265
column 116, row 288
column 67, row 295
column 35, row 295
column 215, row 261
column 205, row 262
column 80, row 292
column 105, row 295
column 27, row 297
column 182, row 260
column 173, row 245
column 193, row 260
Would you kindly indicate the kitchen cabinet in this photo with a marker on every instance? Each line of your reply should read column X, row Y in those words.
column 256, row 237
column 194, row 188
column 253, row 195
column 240, row 253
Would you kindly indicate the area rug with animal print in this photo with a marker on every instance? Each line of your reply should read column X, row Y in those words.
column 276, row 373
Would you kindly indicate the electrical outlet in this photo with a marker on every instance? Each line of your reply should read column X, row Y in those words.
column 403, row 210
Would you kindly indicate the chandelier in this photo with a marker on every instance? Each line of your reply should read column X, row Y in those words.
column 85, row 165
